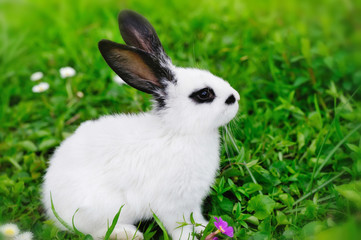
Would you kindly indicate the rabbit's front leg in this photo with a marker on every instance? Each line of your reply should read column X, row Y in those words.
column 199, row 219
column 173, row 221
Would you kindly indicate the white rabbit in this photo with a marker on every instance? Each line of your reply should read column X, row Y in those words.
column 163, row 161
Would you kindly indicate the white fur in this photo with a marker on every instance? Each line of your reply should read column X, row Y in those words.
column 162, row 161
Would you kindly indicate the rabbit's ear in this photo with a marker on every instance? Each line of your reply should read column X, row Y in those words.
column 138, row 32
column 139, row 69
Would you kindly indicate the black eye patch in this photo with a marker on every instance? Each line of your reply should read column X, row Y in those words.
column 205, row 95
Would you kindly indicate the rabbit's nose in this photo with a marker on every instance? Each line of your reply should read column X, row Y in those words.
column 230, row 100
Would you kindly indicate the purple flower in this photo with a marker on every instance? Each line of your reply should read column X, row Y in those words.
column 215, row 238
column 223, row 227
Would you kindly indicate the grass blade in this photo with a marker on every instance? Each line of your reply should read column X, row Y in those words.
column 335, row 149
column 111, row 228
column 324, row 141
column 57, row 215
column 244, row 162
column 75, row 229
column 160, row 224
column 318, row 188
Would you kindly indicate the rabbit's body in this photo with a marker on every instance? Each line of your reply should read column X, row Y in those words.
column 163, row 161
column 131, row 160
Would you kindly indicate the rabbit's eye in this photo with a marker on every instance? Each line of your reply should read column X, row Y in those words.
column 204, row 95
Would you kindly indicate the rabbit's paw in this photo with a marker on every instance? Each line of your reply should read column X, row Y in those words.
column 126, row 232
column 184, row 233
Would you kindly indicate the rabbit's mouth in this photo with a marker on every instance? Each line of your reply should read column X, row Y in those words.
column 228, row 114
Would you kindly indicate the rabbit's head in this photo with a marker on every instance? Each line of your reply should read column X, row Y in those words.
column 186, row 99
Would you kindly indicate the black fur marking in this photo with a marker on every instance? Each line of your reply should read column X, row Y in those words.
column 161, row 102
column 205, row 95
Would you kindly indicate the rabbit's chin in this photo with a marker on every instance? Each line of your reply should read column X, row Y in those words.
column 228, row 115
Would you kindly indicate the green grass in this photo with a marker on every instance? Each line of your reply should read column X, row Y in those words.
column 296, row 65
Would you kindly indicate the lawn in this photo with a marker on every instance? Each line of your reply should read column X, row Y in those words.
column 290, row 161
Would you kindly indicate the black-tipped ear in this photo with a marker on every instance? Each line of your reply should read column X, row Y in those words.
column 138, row 32
column 139, row 69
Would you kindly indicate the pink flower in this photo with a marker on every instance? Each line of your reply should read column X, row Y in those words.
column 223, row 227
column 212, row 236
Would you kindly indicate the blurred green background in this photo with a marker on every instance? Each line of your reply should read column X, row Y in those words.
column 296, row 65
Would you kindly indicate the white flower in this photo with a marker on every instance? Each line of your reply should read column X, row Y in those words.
column 9, row 230
column 118, row 80
column 41, row 87
column 24, row 236
column 66, row 72
column 80, row 94
column 36, row 76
